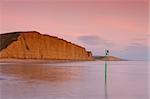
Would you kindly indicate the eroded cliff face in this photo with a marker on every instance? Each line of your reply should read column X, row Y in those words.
column 33, row 45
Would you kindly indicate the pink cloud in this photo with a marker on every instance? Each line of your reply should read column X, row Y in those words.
column 120, row 21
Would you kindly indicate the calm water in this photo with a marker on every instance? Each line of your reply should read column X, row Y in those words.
column 77, row 80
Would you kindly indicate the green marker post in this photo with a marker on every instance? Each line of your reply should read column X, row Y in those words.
column 105, row 71
column 106, row 54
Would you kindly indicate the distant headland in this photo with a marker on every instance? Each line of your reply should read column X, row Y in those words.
column 108, row 58
column 33, row 45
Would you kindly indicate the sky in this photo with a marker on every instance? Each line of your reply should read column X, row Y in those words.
column 118, row 25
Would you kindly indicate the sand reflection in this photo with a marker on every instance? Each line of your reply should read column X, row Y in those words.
column 39, row 72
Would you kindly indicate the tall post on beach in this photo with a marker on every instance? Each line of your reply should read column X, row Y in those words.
column 106, row 54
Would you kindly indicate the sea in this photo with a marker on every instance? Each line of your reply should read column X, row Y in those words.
column 75, row 80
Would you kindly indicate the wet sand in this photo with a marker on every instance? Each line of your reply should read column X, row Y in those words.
column 75, row 80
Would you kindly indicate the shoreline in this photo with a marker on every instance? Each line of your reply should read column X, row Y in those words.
column 39, row 61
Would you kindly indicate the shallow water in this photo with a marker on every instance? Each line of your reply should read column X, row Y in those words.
column 75, row 80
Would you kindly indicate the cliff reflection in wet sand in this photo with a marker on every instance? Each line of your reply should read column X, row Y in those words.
column 38, row 72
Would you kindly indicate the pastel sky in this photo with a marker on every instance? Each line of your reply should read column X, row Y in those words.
column 118, row 25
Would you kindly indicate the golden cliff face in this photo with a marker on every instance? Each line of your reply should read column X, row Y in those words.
column 33, row 45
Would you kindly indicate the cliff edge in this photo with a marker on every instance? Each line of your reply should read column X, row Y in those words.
column 33, row 45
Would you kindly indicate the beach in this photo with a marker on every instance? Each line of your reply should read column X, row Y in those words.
column 74, row 80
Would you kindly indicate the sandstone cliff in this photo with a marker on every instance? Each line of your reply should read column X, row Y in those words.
column 33, row 45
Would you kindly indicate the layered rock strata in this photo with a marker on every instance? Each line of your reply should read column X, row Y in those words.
column 33, row 45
